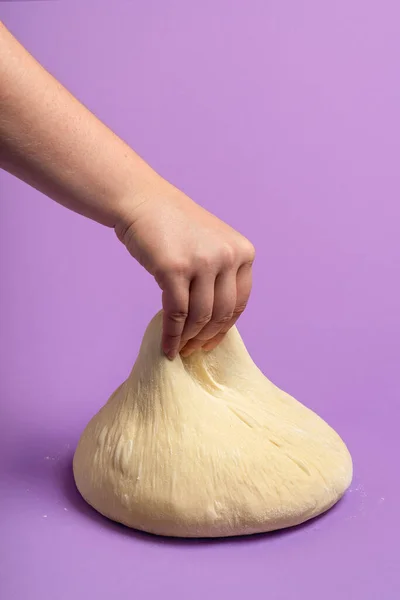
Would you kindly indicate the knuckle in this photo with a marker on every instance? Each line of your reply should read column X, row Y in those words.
column 251, row 253
column 223, row 320
column 170, row 268
column 179, row 267
column 205, row 262
column 248, row 251
column 173, row 337
column 177, row 316
column 239, row 309
column 202, row 320
column 228, row 256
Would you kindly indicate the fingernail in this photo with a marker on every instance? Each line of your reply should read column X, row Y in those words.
column 186, row 353
column 207, row 346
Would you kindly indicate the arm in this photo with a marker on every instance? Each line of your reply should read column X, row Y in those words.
column 51, row 141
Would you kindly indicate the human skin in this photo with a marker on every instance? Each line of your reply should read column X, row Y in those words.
column 55, row 144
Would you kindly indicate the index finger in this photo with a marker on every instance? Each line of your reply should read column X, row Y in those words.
column 175, row 300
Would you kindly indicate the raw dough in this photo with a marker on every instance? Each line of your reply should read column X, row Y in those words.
column 206, row 447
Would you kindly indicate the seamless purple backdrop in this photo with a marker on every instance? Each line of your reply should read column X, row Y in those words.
column 283, row 119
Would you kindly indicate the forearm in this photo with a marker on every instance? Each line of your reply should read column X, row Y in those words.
column 51, row 141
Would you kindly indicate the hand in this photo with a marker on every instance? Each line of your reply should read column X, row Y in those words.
column 54, row 143
column 202, row 266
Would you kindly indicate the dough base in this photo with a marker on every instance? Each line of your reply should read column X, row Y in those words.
column 207, row 446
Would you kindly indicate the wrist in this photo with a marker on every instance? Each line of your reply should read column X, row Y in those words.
column 140, row 186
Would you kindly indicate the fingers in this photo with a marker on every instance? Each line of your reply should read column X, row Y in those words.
column 201, row 307
column 243, row 290
column 222, row 311
column 188, row 307
column 175, row 299
column 201, row 301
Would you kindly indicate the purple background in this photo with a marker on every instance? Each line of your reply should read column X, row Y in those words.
column 282, row 117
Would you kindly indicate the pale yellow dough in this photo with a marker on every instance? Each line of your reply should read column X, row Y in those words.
column 207, row 446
